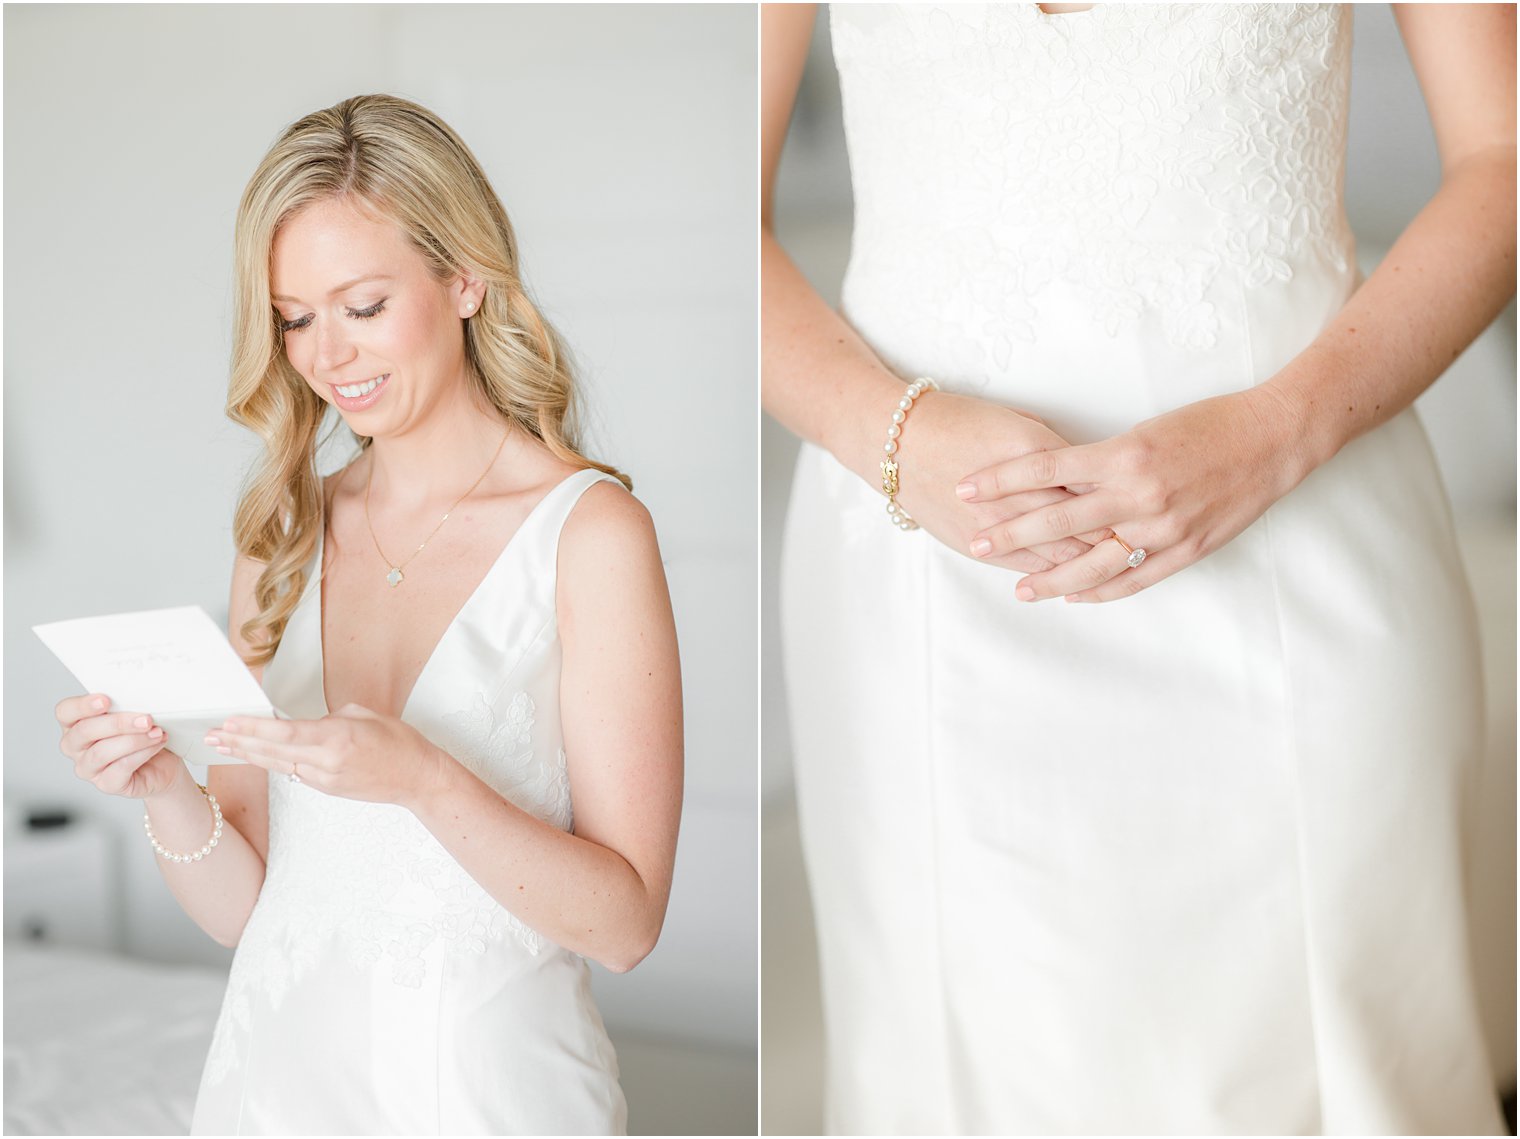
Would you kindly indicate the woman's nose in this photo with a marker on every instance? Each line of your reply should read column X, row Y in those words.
column 334, row 348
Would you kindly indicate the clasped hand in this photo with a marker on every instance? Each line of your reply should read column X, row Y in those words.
column 353, row 753
column 1179, row 485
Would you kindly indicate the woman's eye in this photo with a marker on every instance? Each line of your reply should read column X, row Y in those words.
column 359, row 313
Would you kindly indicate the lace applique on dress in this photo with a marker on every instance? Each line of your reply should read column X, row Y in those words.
column 1136, row 158
column 498, row 748
column 373, row 878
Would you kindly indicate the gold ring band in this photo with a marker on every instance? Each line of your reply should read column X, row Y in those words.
column 1133, row 556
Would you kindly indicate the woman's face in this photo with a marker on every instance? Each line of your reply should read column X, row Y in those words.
column 365, row 323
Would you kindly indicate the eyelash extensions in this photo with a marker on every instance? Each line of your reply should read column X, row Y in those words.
column 374, row 310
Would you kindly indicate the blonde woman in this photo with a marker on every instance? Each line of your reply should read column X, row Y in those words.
column 471, row 625
column 1184, row 856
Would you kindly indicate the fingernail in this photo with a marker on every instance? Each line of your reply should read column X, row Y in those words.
column 1025, row 593
column 141, row 721
column 156, row 733
column 981, row 547
column 230, row 727
column 965, row 490
column 225, row 750
column 212, row 741
column 100, row 703
column 1072, row 598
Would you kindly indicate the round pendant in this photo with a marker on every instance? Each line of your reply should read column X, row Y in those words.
column 394, row 577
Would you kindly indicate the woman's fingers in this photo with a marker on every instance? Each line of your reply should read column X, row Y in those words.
column 84, row 734
column 100, row 755
column 118, row 775
column 1100, row 565
column 273, row 754
column 1073, row 515
column 72, row 709
column 1039, row 558
column 1065, row 466
column 1039, row 555
column 1156, row 567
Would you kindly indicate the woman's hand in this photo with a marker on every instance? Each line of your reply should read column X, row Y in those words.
column 353, row 753
column 1179, row 486
column 121, row 753
column 941, row 436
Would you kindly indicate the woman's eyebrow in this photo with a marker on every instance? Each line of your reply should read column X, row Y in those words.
column 336, row 289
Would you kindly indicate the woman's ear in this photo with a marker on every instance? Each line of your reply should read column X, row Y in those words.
column 470, row 295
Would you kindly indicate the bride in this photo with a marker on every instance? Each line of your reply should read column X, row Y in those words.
column 470, row 623
column 1184, row 855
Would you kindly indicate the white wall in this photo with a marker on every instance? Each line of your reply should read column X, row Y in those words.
column 621, row 140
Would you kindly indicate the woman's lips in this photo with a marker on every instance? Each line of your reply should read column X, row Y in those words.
column 359, row 403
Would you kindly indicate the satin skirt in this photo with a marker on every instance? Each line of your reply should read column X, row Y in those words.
column 1186, row 862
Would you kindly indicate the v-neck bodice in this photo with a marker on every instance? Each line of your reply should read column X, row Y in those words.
column 527, row 554
column 367, row 918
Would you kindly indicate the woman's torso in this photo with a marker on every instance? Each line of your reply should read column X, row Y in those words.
column 371, row 946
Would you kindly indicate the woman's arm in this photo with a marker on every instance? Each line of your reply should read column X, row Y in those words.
column 820, row 380
column 1452, row 270
column 602, row 890
column 817, row 377
column 1185, row 483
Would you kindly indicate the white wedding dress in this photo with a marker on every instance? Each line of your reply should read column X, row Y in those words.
column 377, row 988
column 1188, row 862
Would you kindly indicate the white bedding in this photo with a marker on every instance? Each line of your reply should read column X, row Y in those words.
column 98, row 1044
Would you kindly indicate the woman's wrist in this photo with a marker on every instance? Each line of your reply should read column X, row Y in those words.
column 188, row 855
column 1299, row 435
column 437, row 780
column 181, row 787
column 856, row 436
column 180, row 815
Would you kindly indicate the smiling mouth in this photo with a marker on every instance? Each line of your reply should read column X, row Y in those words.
column 354, row 391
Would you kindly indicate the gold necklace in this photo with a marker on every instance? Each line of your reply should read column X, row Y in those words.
column 395, row 577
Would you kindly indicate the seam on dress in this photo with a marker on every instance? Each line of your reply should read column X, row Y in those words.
column 443, row 976
column 931, row 759
column 504, row 677
column 844, row 98
column 253, row 1012
column 1294, row 764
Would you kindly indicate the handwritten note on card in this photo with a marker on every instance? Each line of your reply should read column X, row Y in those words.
column 174, row 664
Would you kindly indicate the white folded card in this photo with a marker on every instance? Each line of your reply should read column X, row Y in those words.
column 174, row 664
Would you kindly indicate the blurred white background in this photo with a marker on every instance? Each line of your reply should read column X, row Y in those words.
column 622, row 141
column 1470, row 415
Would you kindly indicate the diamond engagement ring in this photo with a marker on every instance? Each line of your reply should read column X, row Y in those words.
column 293, row 777
column 1135, row 556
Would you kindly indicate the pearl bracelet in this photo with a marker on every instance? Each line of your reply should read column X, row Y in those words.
column 216, row 833
column 889, row 485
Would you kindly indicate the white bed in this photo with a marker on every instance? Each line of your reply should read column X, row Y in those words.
column 102, row 1044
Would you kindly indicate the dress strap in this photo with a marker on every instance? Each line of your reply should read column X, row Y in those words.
column 523, row 581
column 551, row 513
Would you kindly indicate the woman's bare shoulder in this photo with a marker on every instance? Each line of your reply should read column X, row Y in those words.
column 612, row 600
column 607, row 522
column 609, row 553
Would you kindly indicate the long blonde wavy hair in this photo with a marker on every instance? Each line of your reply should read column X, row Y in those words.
column 399, row 161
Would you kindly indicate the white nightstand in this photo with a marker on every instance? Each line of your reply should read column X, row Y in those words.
column 61, row 885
